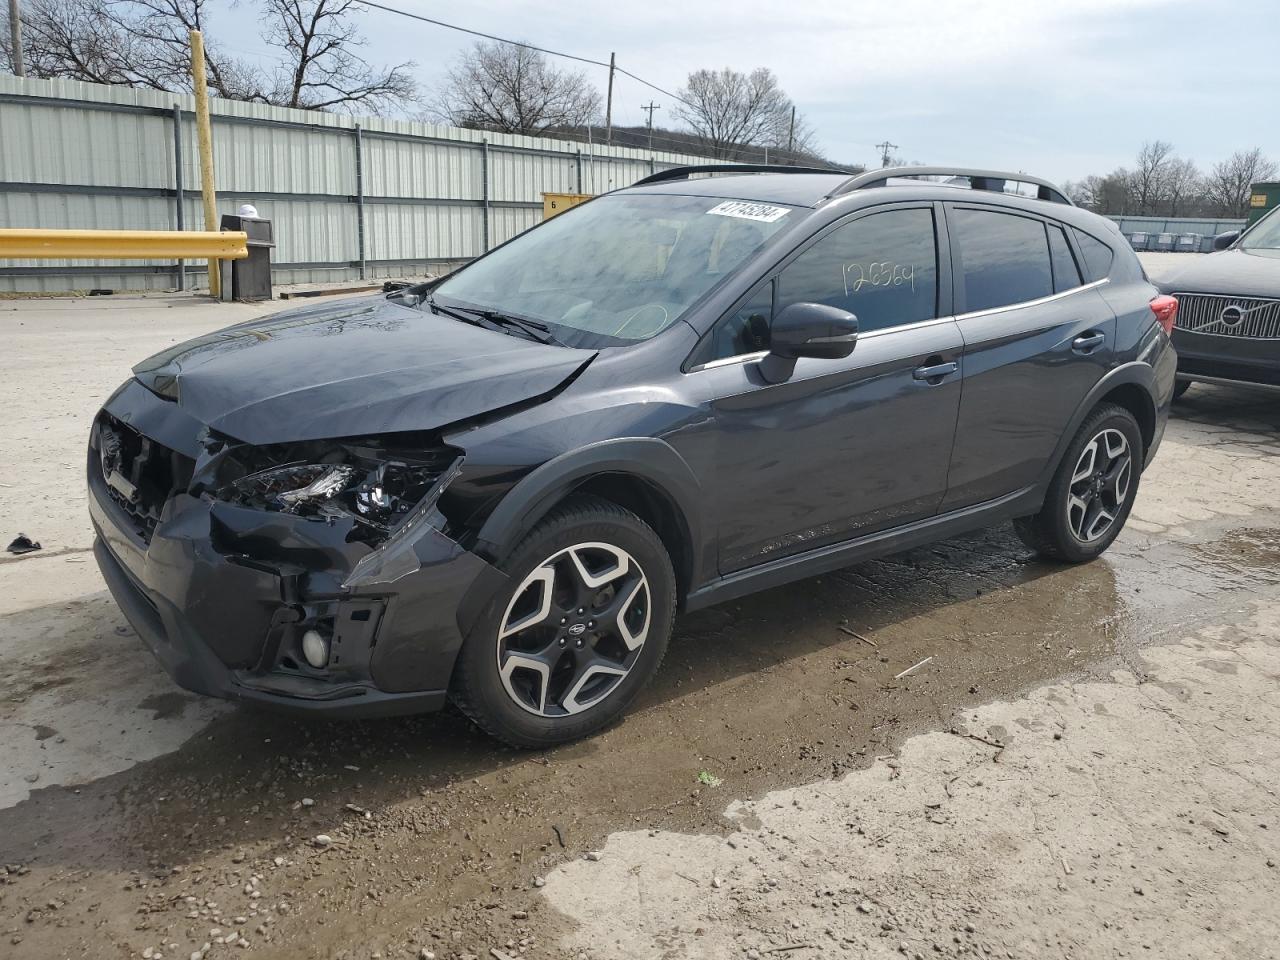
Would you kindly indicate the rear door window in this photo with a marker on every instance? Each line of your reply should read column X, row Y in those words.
column 1004, row 259
column 1066, row 275
column 1097, row 256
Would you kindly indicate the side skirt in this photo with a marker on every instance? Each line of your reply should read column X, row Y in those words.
column 774, row 573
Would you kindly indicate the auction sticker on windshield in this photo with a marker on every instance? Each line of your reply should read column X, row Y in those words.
column 743, row 210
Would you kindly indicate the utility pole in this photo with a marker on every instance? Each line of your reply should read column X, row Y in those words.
column 650, row 107
column 608, row 107
column 884, row 152
column 204, row 138
column 15, row 31
column 791, row 131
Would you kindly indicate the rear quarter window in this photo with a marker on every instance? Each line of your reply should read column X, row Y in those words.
column 1066, row 275
column 1098, row 257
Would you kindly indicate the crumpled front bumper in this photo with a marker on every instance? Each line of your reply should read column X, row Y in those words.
column 221, row 594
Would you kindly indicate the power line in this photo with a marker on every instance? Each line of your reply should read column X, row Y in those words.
column 527, row 46
column 531, row 46
column 654, row 86
column 477, row 33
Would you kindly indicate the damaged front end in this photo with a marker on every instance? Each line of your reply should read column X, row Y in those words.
column 317, row 575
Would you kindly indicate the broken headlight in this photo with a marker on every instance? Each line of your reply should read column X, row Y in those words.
column 292, row 487
column 373, row 484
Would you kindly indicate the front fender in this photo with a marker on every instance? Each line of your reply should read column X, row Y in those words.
column 651, row 460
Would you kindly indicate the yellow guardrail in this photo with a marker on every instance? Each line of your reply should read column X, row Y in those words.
column 23, row 244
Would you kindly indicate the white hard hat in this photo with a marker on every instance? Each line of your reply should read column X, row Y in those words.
column 247, row 210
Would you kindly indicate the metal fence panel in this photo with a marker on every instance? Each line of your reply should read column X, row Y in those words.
column 1154, row 225
column 524, row 177
column 42, row 143
column 508, row 221
column 259, row 158
column 413, row 233
column 406, row 168
column 81, row 155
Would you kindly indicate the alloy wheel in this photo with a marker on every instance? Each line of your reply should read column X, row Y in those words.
column 574, row 629
column 1099, row 485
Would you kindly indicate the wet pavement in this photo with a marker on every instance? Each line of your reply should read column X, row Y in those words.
column 137, row 820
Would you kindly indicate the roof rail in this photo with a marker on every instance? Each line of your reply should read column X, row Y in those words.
column 978, row 180
column 684, row 173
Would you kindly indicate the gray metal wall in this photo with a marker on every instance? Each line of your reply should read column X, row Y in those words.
column 86, row 156
column 1208, row 227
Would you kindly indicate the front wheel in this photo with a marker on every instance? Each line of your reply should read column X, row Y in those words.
column 1093, row 491
column 581, row 627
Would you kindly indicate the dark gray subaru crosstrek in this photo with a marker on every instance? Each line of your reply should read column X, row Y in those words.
column 500, row 487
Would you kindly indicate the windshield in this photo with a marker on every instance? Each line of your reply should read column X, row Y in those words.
column 1265, row 236
column 616, row 270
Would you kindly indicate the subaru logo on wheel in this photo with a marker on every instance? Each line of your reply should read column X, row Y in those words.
column 577, row 630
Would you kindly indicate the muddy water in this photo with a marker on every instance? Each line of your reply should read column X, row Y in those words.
column 786, row 687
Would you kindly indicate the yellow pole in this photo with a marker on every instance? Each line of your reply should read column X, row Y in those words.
column 205, row 136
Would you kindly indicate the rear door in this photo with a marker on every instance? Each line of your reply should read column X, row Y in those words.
column 1037, row 337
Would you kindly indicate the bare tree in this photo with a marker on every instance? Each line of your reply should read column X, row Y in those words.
column 1182, row 186
column 1109, row 194
column 1227, row 185
column 501, row 86
column 729, row 110
column 144, row 43
column 75, row 40
column 780, row 134
column 1151, row 175
column 321, row 69
column 161, row 53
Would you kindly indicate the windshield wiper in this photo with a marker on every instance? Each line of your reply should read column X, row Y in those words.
column 454, row 314
column 534, row 329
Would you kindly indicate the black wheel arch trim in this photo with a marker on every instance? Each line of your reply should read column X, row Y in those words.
column 647, row 459
column 1135, row 373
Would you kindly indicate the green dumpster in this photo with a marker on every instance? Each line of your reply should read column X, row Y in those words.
column 1262, row 197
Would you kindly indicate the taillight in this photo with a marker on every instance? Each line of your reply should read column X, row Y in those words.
column 1165, row 308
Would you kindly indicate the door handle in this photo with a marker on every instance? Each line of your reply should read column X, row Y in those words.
column 1088, row 342
column 935, row 373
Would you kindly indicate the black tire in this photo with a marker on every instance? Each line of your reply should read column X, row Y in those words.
column 479, row 688
column 1180, row 387
column 1054, row 532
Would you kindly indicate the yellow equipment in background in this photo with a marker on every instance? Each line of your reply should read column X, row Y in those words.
column 553, row 203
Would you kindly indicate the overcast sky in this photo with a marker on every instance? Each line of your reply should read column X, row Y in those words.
column 1061, row 89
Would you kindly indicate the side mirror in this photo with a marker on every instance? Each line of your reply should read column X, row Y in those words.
column 1224, row 240
column 813, row 330
column 807, row 330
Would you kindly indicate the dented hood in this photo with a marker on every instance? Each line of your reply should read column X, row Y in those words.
column 360, row 367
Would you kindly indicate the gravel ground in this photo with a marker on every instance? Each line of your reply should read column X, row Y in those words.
column 1086, row 766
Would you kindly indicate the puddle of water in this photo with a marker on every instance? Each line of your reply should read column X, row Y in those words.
column 770, row 691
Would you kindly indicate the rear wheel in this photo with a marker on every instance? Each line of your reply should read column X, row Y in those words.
column 582, row 626
column 1180, row 387
column 1093, row 491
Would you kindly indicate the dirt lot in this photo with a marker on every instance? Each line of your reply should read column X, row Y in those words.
column 1086, row 767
